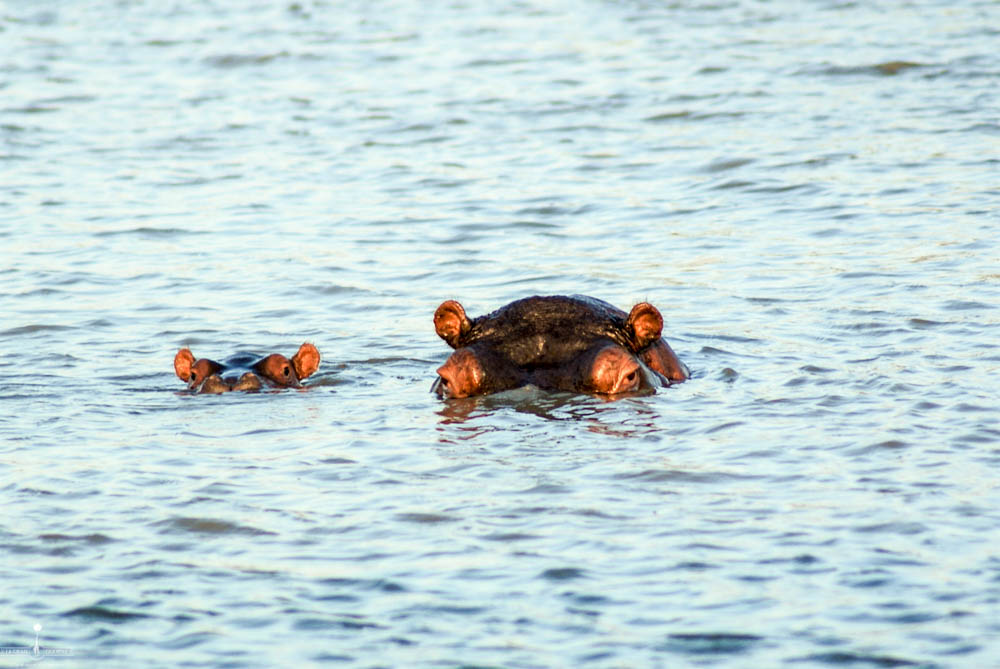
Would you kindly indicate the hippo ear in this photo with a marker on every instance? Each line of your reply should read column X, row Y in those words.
column 182, row 364
column 644, row 324
column 306, row 361
column 451, row 323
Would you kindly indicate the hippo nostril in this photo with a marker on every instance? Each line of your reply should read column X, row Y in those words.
column 287, row 371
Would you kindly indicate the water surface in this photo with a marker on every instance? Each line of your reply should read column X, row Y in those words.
column 807, row 191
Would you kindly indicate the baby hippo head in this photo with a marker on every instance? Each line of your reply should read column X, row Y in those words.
column 246, row 371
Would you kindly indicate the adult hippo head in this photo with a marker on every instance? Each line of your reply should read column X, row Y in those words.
column 246, row 371
column 574, row 344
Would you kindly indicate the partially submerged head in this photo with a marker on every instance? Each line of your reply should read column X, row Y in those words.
column 575, row 344
column 246, row 372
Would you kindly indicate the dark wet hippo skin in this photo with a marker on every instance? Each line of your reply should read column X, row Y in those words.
column 575, row 344
column 246, row 371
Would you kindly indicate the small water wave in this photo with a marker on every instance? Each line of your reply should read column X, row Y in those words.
column 563, row 574
column 344, row 621
column 726, row 164
column 35, row 329
column 861, row 659
column 426, row 518
column 234, row 60
column 188, row 640
column 682, row 476
column 695, row 116
column 151, row 232
column 104, row 612
column 887, row 68
column 207, row 526
column 711, row 643
column 509, row 537
column 91, row 539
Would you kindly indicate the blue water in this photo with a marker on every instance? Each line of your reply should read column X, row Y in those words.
column 808, row 191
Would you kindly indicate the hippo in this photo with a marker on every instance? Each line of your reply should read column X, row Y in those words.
column 246, row 371
column 573, row 343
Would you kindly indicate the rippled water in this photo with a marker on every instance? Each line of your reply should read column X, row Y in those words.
column 807, row 190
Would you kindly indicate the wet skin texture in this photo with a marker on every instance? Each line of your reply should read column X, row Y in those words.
column 575, row 344
column 245, row 371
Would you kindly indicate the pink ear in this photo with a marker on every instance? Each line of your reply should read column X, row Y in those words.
column 450, row 322
column 646, row 323
column 306, row 361
column 182, row 364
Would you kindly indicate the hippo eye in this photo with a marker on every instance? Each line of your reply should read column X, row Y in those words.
column 194, row 375
column 287, row 371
